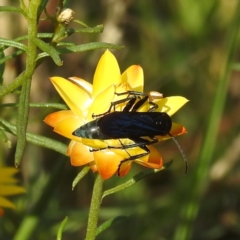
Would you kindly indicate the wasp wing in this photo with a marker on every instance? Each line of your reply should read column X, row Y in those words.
column 134, row 124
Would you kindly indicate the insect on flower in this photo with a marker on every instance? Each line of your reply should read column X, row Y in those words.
column 85, row 99
column 140, row 127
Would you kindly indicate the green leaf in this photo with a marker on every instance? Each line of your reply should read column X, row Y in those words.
column 86, row 29
column 235, row 66
column 12, row 9
column 19, row 52
column 10, row 56
column 82, row 23
column 5, row 138
column 89, row 46
column 2, row 67
column 12, row 43
column 66, row 3
column 4, row 90
column 22, row 120
column 109, row 223
column 60, row 230
column 39, row 105
column 50, row 51
column 80, row 176
column 82, row 48
column 37, row 139
column 42, row 6
column 47, row 143
column 62, row 31
column 134, row 180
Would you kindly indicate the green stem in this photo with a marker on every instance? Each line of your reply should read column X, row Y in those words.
column 199, row 181
column 94, row 209
column 23, row 109
column 4, row 90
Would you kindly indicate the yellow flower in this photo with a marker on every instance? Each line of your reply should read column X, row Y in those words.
column 8, row 187
column 85, row 99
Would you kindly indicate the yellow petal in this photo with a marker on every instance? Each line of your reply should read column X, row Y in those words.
column 170, row 105
column 7, row 173
column 107, row 163
column 93, row 166
column 107, row 73
column 101, row 103
column 6, row 203
column 94, row 143
column 79, row 154
column 176, row 130
column 7, row 190
column 86, row 86
column 154, row 159
column 67, row 126
column 54, row 118
column 125, row 153
column 75, row 97
column 134, row 77
column 125, row 168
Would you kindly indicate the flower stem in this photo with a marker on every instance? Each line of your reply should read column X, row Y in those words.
column 23, row 109
column 94, row 208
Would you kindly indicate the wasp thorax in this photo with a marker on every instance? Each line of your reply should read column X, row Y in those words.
column 88, row 130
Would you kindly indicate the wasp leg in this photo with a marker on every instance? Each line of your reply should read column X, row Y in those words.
column 134, row 157
column 138, row 142
column 113, row 104
column 139, row 103
column 134, row 93
column 154, row 107
column 129, row 104
column 131, row 98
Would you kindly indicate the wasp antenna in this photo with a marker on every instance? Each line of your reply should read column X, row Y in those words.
column 182, row 152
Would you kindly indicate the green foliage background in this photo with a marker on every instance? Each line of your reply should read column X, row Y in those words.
column 186, row 47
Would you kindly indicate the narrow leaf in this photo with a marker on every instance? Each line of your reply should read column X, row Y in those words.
column 38, row 139
column 38, row 105
column 22, row 120
column 2, row 67
column 109, row 223
column 10, row 56
column 82, row 48
column 86, row 29
column 42, row 6
column 80, row 176
column 134, row 180
column 50, row 50
column 60, row 230
column 11, row 9
column 5, row 138
column 12, row 43
column 89, row 46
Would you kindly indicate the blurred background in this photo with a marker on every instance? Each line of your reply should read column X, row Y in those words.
column 183, row 48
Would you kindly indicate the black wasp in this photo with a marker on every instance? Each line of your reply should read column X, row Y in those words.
column 130, row 124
